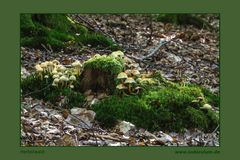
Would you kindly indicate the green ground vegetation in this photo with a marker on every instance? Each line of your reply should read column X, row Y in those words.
column 58, row 31
column 39, row 88
column 184, row 19
column 163, row 109
column 168, row 106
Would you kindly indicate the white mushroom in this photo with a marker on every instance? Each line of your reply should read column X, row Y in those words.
column 38, row 68
column 63, row 78
column 129, row 81
column 121, row 86
column 122, row 76
column 77, row 65
column 206, row 107
column 116, row 54
column 135, row 72
column 56, row 80
column 72, row 78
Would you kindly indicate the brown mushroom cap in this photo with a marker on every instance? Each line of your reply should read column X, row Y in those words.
column 56, row 62
column 121, row 86
column 38, row 68
column 130, row 80
column 135, row 72
column 76, row 64
column 128, row 72
column 72, row 78
column 117, row 54
column 133, row 65
column 122, row 75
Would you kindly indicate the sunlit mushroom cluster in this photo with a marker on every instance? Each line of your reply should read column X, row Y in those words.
column 117, row 54
column 131, row 81
column 62, row 76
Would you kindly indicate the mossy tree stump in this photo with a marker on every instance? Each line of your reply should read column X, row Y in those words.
column 99, row 73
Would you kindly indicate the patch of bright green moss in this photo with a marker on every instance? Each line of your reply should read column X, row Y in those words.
column 130, row 108
column 105, row 64
column 163, row 109
column 212, row 98
column 194, row 118
column 58, row 30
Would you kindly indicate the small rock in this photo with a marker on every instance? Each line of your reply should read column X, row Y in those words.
column 58, row 117
column 43, row 114
column 76, row 111
column 82, row 117
column 166, row 138
column 125, row 127
column 173, row 58
column 116, row 144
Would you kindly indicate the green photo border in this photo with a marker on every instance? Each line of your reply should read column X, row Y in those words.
column 10, row 90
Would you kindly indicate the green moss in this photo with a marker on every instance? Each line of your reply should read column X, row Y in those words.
column 104, row 63
column 27, row 26
column 56, row 30
column 129, row 108
column 169, row 109
column 58, row 22
column 212, row 98
column 194, row 118
column 163, row 82
column 213, row 120
column 175, row 99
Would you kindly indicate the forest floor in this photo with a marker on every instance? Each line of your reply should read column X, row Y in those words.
column 191, row 57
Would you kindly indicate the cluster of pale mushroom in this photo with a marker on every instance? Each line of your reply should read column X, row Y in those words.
column 62, row 76
column 117, row 54
column 130, row 81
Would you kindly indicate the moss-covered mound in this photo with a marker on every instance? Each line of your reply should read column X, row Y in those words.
column 171, row 109
column 105, row 64
column 58, row 31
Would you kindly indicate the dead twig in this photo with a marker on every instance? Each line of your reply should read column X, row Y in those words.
column 37, row 91
column 153, row 51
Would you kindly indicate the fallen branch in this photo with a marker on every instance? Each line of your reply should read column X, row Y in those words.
column 154, row 50
column 37, row 90
column 111, row 138
column 215, row 129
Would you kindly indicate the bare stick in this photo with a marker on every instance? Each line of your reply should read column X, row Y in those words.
column 154, row 51
column 37, row 91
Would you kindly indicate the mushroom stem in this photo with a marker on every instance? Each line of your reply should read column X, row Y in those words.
column 129, row 89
